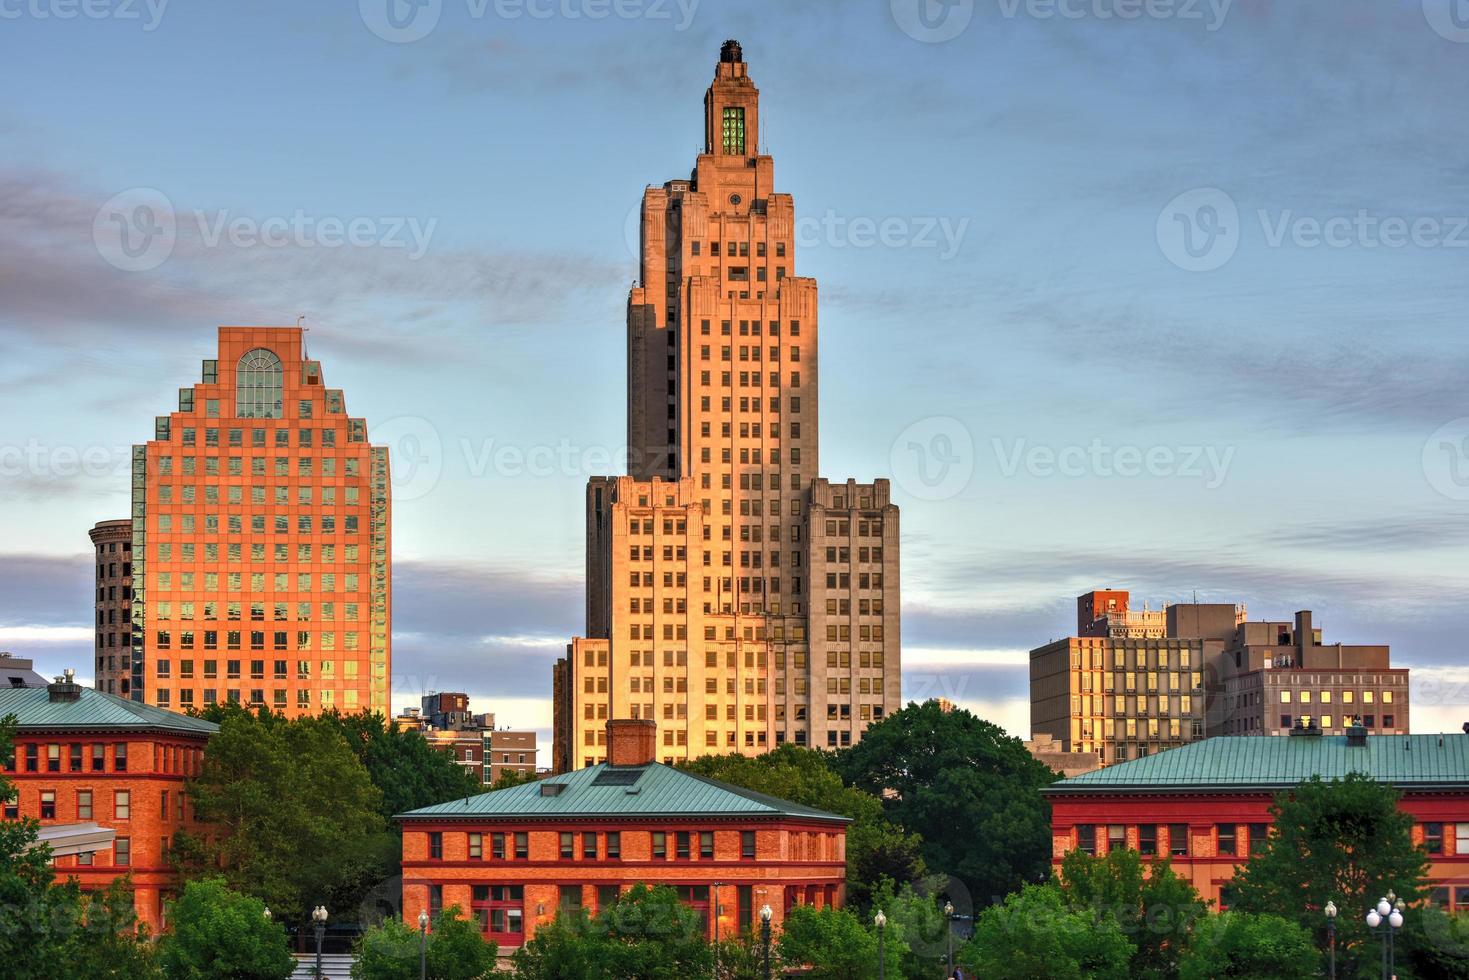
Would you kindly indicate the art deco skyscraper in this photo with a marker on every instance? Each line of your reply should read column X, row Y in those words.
column 733, row 596
column 261, row 540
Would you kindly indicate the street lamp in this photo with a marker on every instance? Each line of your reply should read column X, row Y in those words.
column 267, row 913
column 949, row 917
column 1331, row 934
column 765, row 914
column 318, row 919
column 1388, row 915
column 1395, row 922
column 423, row 945
column 881, row 921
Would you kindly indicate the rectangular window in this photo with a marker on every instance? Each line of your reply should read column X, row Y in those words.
column 497, row 846
column 1086, row 838
column 614, row 846
column 1178, row 839
column 1147, row 838
column 522, row 845
column 1226, row 832
column 660, row 844
column 122, row 852
column 747, row 844
column 706, row 845
column 589, row 846
column 1259, row 833
column 476, row 846
column 682, row 845
column 48, row 804
column 120, row 757
column 734, row 129
column 568, row 845
column 569, row 898
column 99, row 757
column 84, row 804
column 122, row 806
column 1433, row 838
column 436, row 845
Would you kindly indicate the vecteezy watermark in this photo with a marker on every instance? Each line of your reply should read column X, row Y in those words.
column 1097, row 459
column 137, row 230
column 405, row 21
column 34, row 458
column 148, row 12
column 933, row 459
column 1446, row 459
column 415, row 454
column 1448, row 18
column 935, row 21
column 1198, row 230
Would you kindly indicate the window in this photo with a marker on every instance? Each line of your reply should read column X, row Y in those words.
column 99, row 757
column 122, row 852
column 1433, row 838
column 682, row 845
column 48, row 804
column 706, row 844
column 1147, row 838
column 84, row 804
column 1259, row 835
column 120, row 757
column 436, row 845
column 32, row 758
column 122, row 805
column 435, row 900
column 589, row 846
column 258, row 385
column 497, row 846
column 476, row 846
column 1461, row 838
column 53, row 758
column 747, row 844
column 734, row 129
column 1178, row 839
column 500, row 910
column 522, row 846
column 614, row 846
column 1086, row 838
column 569, row 898
column 568, row 845
column 660, row 844
column 1226, row 833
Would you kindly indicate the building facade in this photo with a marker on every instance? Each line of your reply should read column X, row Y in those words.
column 733, row 596
column 261, row 540
column 1207, row 805
column 112, row 542
column 515, row 857
column 86, row 758
column 474, row 740
column 1132, row 683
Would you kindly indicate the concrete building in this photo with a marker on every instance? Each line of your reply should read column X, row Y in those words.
column 105, row 777
column 514, row 858
column 474, row 740
column 733, row 596
column 261, row 540
column 112, row 542
column 1207, row 805
column 1048, row 752
column 1132, row 683
column 19, row 672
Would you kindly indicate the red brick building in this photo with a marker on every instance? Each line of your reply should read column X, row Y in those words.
column 1207, row 804
column 514, row 857
column 83, row 757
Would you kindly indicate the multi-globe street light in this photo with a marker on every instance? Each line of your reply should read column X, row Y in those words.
column 881, row 921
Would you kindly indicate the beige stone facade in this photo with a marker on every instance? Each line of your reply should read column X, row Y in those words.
column 733, row 596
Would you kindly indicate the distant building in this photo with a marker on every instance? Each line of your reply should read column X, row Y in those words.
column 19, row 672
column 112, row 542
column 1207, row 805
column 1049, row 752
column 104, row 775
column 1131, row 682
column 513, row 858
column 473, row 739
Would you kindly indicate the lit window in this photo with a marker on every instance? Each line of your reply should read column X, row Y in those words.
column 258, row 386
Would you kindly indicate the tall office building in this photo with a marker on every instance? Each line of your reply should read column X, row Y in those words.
column 733, row 596
column 112, row 542
column 261, row 540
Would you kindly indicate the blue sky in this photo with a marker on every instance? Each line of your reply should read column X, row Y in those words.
column 1172, row 302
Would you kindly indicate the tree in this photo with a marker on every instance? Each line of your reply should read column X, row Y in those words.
column 1437, row 944
column 456, row 950
column 831, row 941
column 1249, row 947
column 647, row 934
column 219, row 933
column 1153, row 906
column 876, row 847
column 917, row 936
column 1034, row 934
column 512, row 777
column 1343, row 841
column 968, row 790
column 299, row 819
column 405, row 767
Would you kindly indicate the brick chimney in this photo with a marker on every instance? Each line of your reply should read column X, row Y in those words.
column 631, row 741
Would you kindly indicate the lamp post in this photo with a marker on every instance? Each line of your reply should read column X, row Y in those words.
column 765, row 914
column 1394, row 923
column 423, row 945
column 949, row 919
column 1331, row 935
column 318, row 921
column 267, row 913
column 1387, row 915
column 881, row 921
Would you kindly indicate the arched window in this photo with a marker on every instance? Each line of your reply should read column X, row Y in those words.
column 258, row 385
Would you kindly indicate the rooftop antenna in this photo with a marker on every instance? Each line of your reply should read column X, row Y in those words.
column 304, row 331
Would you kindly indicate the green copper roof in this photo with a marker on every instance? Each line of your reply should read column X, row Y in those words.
column 93, row 711
column 1274, row 761
column 654, row 790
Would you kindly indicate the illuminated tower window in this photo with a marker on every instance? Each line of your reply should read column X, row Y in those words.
column 258, row 385
column 734, row 130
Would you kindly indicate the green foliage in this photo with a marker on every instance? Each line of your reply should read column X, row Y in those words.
column 1343, row 841
column 832, row 942
column 1437, row 944
column 299, row 820
column 647, row 934
column 916, row 939
column 408, row 770
column 1249, row 947
column 1034, row 934
column 1152, row 906
column 876, row 848
column 456, row 950
column 218, row 933
column 966, row 788
column 512, row 777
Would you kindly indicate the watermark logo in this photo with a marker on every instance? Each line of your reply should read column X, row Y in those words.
column 1209, row 464
column 932, row 21
column 1199, row 230
column 1448, row 18
column 933, row 459
column 415, row 453
column 135, row 230
column 1446, row 459
column 400, row 21
column 148, row 12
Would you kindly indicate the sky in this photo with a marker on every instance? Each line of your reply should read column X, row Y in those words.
column 1163, row 295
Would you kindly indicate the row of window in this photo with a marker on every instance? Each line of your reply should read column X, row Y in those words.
column 235, row 524
column 255, row 697
column 122, row 805
column 306, row 436
column 234, row 610
column 1171, row 839
column 681, row 845
column 1324, row 697
column 328, row 669
column 280, row 466
column 79, row 757
column 1327, row 721
column 743, row 247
